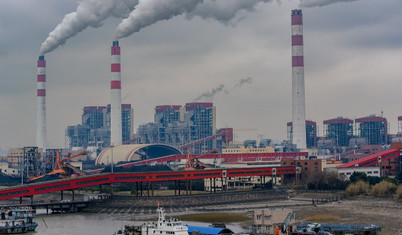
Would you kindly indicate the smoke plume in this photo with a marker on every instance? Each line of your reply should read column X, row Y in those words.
column 223, row 11
column 248, row 80
column 148, row 12
column 320, row 3
column 210, row 94
column 89, row 13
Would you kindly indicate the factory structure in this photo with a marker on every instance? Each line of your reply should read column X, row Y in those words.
column 345, row 134
column 177, row 125
column 115, row 87
column 41, row 139
column 310, row 133
column 95, row 128
column 298, row 96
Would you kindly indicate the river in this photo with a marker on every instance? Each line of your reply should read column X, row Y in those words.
column 96, row 223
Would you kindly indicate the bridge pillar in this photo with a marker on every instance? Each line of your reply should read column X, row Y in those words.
column 140, row 189
column 148, row 189
column 260, row 182
column 136, row 189
column 191, row 187
column 210, row 185
column 152, row 187
column 20, row 200
column 61, row 195
column 175, row 187
column 31, row 199
column 178, row 182
column 186, row 187
column 214, row 185
column 100, row 189
column 73, row 194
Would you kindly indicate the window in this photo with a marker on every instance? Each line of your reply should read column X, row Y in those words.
column 305, row 163
column 316, row 163
column 305, row 169
column 316, row 168
column 258, row 217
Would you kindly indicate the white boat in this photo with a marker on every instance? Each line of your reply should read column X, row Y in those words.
column 164, row 227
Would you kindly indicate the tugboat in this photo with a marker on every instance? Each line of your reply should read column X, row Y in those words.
column 15, row 220
column 161, row 227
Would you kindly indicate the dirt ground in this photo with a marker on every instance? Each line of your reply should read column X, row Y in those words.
column 385, row 212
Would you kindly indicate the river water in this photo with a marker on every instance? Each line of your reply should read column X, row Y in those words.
column 96, row 224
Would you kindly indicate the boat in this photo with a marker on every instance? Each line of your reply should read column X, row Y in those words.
column 163, row 226
column 16, row 220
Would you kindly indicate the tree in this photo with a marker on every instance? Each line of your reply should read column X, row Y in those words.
column 356, row 176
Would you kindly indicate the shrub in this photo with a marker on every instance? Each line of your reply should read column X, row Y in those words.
column 383, row 188
column 360, row 187
column 391, row 180
column 399, row 192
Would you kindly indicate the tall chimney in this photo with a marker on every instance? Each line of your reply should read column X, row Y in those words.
column 298, row 97
column 41, row 139
column 115, row 125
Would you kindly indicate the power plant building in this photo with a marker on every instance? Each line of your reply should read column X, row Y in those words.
column 310, row 133
column 339, row 129
column 94, row 131
column 373, row 128
column 176, row 125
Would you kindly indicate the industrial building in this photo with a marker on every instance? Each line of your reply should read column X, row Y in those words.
column 373, row 128
column 94, row 131
column 339, row 129
column 269, row 221
column 176, row 125
column 311, row 133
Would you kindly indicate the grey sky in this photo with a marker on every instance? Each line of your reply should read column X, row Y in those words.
column 353, row 56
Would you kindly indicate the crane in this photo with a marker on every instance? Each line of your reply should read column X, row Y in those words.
column 61, row 166
column 193, row 163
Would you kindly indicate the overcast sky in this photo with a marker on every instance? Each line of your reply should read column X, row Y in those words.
column 353, row 65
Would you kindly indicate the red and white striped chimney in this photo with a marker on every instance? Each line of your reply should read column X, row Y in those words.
column 298, row 96
column 115, row 115
column 41, row 139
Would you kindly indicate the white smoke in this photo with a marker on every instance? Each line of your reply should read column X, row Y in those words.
column 315, row 3
column 89, row 13
column 149, row 12
column 224, row 11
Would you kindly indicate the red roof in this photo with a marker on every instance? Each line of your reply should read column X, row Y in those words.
column 372, row 159
column 339, row 120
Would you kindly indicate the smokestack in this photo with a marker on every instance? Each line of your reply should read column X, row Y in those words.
column 115, row 126
column 298, row 97
column 41, row 141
